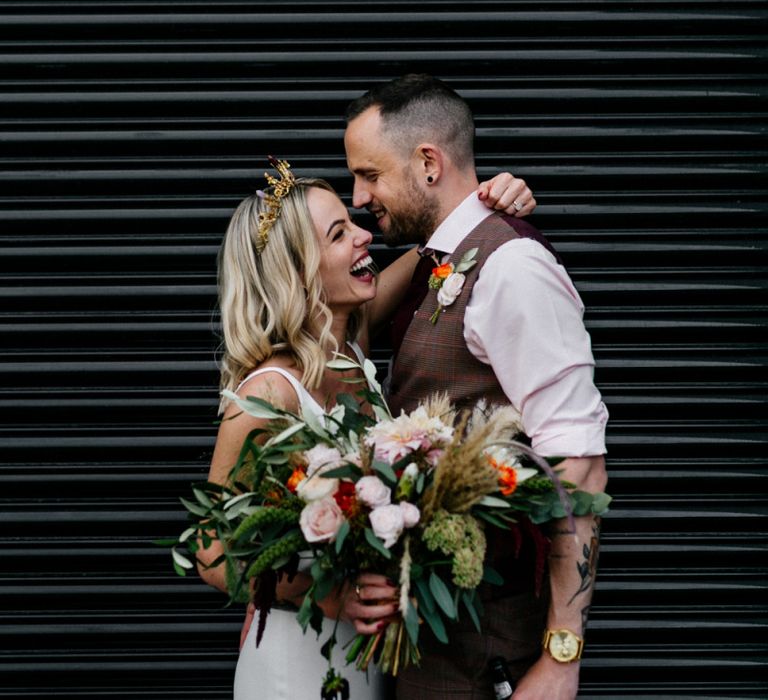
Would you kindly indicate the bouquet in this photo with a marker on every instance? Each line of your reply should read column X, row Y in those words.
column 356, row 489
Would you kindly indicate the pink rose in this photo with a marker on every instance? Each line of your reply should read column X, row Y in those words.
column 321, row 520
column 387, row 523
column 373, row 492
column 411, row 514
column 451, row 288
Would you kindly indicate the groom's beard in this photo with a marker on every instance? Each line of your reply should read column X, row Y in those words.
column 417, row 217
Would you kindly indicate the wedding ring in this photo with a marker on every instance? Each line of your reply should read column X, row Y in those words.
column 517, row 205
column 357, row 590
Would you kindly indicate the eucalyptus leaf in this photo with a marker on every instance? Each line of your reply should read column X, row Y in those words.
column 411, row 619
column 285, row 434
column 467, row 598
column 381, row 414
column 369, row 369
column 184, row 536
column 202, row 498
column 600, row 503
column 341, row 363
column 275, row 458
column 348, row 471
column 581, row 502
column 324, row 586
column 194, row 508
column 385, row 472
column 348, row 401
column 239, row 509
column 377, row 544
column 425, row 597
column 341, row 535
column 181, row 560
column 304, row 615
column 494, row 502
column 436, row 624
column 312, row 420
column 252, row 406
column 490, row 575
column 442, row 595
column 492, row 519
column 237, row 499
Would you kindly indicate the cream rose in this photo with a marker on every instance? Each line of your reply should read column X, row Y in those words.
column 387, row 523
column 321, row 520
column 373, row 492
column 315, row 487
column 451, row 289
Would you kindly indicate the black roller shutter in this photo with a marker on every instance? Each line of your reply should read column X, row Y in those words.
column 128, row 132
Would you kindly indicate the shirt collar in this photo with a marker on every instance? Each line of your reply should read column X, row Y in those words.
column 458, row 224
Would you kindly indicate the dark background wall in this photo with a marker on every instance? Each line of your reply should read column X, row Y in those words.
column 129, row 131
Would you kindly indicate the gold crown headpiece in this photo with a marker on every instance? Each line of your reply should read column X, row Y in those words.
column 273, row 200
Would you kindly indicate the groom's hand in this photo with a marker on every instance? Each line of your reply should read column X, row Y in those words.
column 548, row 680
column 370, row 603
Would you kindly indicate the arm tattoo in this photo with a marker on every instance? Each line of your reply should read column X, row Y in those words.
column 588, row 567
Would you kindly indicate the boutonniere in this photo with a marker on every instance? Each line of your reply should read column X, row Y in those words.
column 448, row 280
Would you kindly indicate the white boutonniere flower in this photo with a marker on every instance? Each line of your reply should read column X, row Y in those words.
column 448, row 280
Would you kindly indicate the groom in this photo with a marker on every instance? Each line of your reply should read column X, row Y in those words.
column 512, row 333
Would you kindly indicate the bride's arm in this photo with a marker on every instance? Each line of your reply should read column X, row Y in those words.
column 234, row 428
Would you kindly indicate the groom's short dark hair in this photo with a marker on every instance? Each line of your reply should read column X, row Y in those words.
column 418, row 107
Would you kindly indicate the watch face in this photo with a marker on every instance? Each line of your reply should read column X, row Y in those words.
column 564, row 645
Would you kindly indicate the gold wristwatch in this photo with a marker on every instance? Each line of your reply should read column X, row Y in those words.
column 563, row 645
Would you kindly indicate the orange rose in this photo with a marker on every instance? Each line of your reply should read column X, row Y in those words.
column 507, row 476
column 507, row 480
column 295, row 479
column 442, row 271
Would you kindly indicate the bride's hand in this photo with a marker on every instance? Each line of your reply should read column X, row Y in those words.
column 506, row 193
column 369, row 603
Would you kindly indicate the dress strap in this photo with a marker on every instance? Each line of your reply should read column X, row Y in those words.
column 357, row 350
column 305, row 398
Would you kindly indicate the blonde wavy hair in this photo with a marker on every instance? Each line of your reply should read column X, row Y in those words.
column 273, row 301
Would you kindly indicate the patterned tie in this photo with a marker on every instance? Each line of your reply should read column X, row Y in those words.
column 417, row 290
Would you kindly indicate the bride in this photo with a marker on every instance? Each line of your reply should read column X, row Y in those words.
column 296, row 283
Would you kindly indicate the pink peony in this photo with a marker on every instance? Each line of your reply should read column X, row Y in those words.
column 411, row 514
column 322, row 458
column 387, row 523
column 373, row 492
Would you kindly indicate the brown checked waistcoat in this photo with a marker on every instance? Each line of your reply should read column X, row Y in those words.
column 434, row 357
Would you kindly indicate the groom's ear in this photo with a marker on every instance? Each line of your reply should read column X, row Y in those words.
column 429, row 161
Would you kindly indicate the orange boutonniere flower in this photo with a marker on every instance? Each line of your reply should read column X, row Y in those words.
column 448, row 281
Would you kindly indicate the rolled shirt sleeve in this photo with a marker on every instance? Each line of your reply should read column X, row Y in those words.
column 525, row 319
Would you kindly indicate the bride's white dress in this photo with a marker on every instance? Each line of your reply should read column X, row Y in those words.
column 288, row 664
